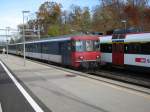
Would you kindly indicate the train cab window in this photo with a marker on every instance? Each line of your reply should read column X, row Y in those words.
column 85, row 45
column 79, row 46
column 89, row 45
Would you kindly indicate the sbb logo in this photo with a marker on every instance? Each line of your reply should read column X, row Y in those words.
column 142, row 60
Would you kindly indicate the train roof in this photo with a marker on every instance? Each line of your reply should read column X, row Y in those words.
column 136, row 37
column 105, row 39
column 46, row 40
column 139, row 37
column 50, row 40
column 85, row 37
column 63, row 38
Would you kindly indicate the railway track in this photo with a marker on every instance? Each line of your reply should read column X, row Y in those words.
column 132, row 77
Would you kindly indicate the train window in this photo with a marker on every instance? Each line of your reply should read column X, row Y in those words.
column 89, row 45
column 122, row 36
column 137, row 48
column 69, row 46
column 107, row 48
column 115, row 36
column 34, row 47
column 126, row 48
column 43, row 45
column 30, row 48
column 110, row 48
column 145, row 48
column 85, row 45
column 49, row 47
column 132, row 48
column 79, row 46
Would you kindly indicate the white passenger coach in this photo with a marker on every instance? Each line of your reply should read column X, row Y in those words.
column 126, row 50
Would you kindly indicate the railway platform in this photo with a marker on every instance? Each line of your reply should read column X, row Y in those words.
column 56, row 90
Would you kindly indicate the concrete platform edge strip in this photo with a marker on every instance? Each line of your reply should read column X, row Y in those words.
column 31, row 101
column 1, row 108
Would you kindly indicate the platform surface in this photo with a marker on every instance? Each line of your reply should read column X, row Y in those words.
column 61, row 93
column 11, row 99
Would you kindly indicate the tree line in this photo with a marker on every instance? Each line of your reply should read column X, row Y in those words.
column 104, row 17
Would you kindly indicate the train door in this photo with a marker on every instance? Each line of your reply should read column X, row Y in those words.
column 118, row 53
column 65, row 52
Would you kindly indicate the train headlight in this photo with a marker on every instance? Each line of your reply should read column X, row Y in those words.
column 97, row 57
column 81, row 57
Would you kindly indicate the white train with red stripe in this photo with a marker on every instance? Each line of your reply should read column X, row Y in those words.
column 126, row 50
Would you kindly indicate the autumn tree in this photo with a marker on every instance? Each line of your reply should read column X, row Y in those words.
column 132, row 14
column 108, row 15
column 78, row 19
column 86, row 19
column 75, row 17
column 138, row 3
column 146, row 22
column 135, row 12
column 49, row 14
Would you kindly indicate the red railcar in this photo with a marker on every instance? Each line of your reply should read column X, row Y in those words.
column 75, row 51
column 85, row 51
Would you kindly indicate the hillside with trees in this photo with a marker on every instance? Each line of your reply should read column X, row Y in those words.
column 106, row 16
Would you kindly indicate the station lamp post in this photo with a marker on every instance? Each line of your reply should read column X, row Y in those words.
column 7, row 33
column 125, row 25
column 24, row 47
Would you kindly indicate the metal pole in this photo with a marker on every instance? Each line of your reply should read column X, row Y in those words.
column 7, row 41
column 23, row 33
column 39, row 32
column 24, row 40
column 142, row 22
column 125, row 26
column 6, row 38
column 7, row 33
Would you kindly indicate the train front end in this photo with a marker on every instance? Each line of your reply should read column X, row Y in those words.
column 85, row 51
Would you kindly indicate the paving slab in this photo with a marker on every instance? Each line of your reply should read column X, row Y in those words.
column 61, row 93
